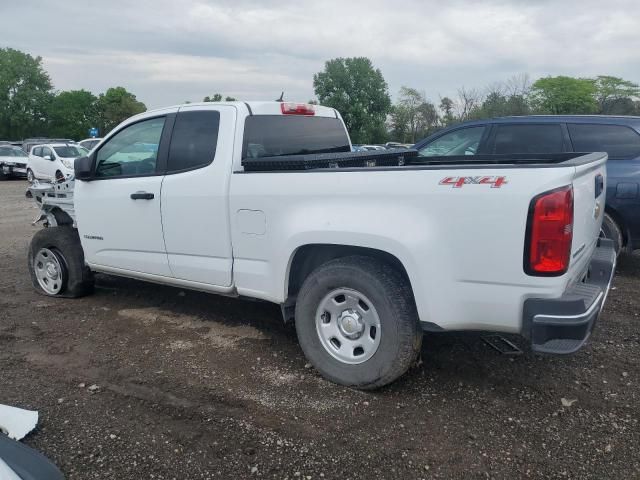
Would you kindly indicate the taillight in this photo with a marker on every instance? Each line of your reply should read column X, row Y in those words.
column 549, row 233
column 289, row 108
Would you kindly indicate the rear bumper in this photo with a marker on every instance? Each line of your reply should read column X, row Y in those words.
column 563, row 325
column 18, row 170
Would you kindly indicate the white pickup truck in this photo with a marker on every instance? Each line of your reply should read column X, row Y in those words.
column 364, row 250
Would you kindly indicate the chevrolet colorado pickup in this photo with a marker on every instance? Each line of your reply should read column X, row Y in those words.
column 363, row 250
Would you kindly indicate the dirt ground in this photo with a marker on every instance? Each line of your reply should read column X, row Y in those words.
column 186, row 385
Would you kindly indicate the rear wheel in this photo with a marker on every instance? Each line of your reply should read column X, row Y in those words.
column 56, row 263
column 357, row 323
column 611, row 230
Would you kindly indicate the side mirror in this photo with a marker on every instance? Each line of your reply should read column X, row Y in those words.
column 47, row 157
column 82, row 168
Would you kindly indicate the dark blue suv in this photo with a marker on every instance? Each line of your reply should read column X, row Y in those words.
column 618, row 136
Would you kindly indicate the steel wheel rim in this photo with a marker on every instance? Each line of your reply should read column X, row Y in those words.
column 348, row 326
column 48, row 270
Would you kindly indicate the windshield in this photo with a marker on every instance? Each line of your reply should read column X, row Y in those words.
column 12, row 152
column 71, row 151
column 277, row 135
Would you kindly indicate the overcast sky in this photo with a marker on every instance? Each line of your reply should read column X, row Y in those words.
column 169, row 51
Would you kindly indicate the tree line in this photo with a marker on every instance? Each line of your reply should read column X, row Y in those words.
column 360, row 93
column 30, row 107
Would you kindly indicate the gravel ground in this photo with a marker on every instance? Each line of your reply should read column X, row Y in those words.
column 142, row 381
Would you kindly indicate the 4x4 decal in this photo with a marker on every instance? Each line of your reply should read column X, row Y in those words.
column 459, row 182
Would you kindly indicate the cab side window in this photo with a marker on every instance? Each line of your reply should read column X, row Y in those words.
column 194, row 140
column 619, row 141
column 133, row 151
column 464, row 141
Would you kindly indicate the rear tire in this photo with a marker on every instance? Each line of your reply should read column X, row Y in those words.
column 368, row 299
column 56, row 263
column 612, row 231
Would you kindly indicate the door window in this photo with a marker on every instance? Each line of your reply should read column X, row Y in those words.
column 194, row 140
column 618, row 141
column 519, row 138
column 464, row 141
column 37, row 151
column 132, row 151
column 47, row 151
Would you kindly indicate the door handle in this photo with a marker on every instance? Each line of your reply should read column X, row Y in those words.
column 142, row 196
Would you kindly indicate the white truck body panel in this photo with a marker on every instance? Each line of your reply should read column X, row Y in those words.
column 453, row 243
column 204, row 255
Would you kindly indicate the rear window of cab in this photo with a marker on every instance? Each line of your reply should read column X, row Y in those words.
column 279, row 135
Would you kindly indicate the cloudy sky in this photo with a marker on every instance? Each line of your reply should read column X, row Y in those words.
column 169, row 51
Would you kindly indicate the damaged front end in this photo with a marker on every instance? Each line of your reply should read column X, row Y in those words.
column 55, row 200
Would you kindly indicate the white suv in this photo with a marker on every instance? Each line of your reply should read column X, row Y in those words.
column 53, row 161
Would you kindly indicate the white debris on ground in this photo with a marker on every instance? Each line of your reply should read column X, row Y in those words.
column 16, row 422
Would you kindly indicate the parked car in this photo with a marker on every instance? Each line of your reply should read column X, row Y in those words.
column 53, row 161
column 228, row 200
column 89, row 143
column 392, row 145
column 29, row 143
column 13, row 161
column 619, row 136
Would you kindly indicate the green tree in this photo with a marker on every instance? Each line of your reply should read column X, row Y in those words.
column 564, row 95
column 116, row 105
column 72, row 114
column 615, row 96
column 412, row 117
column 359, row 92
column 25, row 94
column 446, row 107
column 218, row 98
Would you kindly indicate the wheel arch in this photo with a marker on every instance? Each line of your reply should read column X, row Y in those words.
column 618, row 218
column 306, row 258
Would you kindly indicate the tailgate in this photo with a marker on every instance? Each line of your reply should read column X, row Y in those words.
column 589, row 192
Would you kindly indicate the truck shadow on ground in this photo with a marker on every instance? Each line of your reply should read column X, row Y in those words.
column 448, row 358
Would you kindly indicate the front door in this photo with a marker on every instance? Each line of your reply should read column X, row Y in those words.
column 118, row 211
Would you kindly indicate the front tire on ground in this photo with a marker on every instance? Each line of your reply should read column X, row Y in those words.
column 30, row 176
column 357, row 322
column 612, row 231
column 56, row 263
